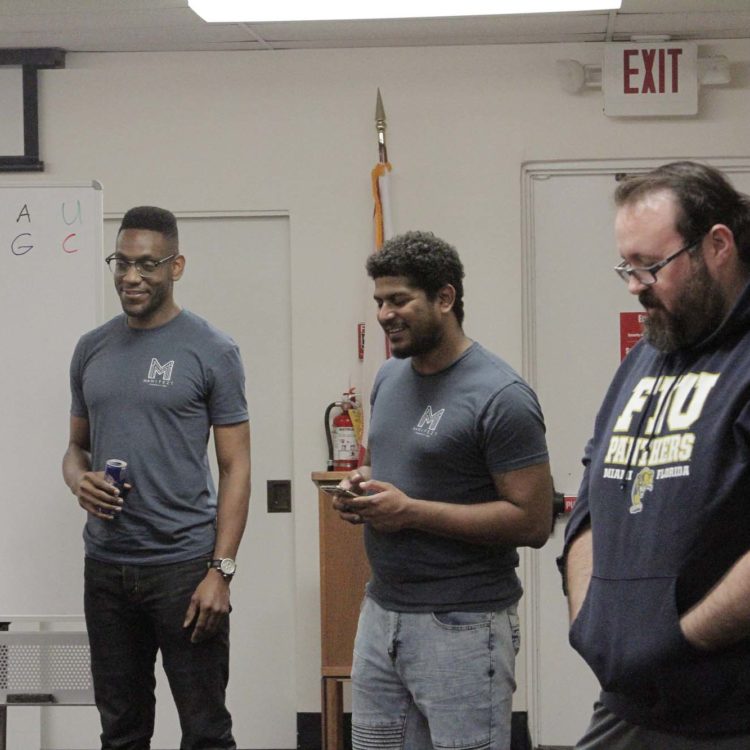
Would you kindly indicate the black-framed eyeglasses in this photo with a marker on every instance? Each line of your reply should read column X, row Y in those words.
column 145, row 268
column 646, row 275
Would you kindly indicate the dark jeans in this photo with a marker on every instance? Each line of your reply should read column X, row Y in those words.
column 131, row 612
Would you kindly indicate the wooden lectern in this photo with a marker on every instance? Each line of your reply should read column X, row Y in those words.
column 343, row 574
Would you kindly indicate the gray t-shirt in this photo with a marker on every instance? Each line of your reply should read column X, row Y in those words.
column 441, row 437
column 150, row 397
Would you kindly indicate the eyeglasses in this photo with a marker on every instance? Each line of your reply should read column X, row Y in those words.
column 647, row 275
column 145, row 267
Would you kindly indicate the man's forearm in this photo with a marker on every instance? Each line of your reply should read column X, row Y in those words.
column 233, row 456
column 492, row 522
column 209, row 603
column 579, row 565
column 76, row 462
column 722, row 617
column 519, row 514
column 232, row 511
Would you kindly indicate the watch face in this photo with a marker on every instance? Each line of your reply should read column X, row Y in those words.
column 227, row 566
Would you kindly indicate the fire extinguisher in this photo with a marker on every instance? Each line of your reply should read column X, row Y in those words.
column 343, row 446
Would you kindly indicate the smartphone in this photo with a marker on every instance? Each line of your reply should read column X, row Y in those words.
column 336, row 491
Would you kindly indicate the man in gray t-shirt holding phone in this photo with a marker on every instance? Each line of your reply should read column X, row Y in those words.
column 456, row 477
column 147, row 387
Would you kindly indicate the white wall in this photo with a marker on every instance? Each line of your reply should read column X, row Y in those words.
column 294, row 130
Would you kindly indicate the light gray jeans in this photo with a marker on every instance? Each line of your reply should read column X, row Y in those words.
column 608, row 732
column 430, row 681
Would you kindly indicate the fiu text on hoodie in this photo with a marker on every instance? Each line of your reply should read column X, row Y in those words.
column 666, row 490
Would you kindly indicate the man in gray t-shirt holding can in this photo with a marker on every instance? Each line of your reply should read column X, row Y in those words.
column 456, row 476
column 147, row 388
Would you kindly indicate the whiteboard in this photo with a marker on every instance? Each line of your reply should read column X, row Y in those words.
column 50, row 282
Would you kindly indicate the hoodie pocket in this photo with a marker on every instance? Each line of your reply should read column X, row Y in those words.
column 630, row 635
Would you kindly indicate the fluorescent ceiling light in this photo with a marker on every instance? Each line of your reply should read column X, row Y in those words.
column 330, row 10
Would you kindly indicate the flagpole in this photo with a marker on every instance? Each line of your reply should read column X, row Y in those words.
column 380, row 126
column 380, row 181
column 377, row 349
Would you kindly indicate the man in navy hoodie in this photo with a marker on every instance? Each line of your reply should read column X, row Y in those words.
column 657, row 552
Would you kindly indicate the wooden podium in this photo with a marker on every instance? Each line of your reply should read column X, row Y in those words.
column 343, row 574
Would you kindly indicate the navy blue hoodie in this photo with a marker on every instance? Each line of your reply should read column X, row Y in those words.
column 666, row 490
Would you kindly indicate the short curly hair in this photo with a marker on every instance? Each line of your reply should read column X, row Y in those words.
column 428, row 263
column 155, row 219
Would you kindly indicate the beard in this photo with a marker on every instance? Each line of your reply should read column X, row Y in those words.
column 698, row 312
column 424, row 339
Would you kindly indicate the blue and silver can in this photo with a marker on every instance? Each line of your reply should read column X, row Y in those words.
column 115, row 472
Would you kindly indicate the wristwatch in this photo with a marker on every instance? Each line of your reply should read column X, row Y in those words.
column 226, row 566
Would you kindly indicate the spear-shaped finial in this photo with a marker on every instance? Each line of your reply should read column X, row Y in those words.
column 380, row 126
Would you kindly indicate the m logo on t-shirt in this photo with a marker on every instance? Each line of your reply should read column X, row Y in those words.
column 159, row 374
column 429, row 422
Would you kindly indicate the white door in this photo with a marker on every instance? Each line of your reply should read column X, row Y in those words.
column 575, row 300
column 237, row 276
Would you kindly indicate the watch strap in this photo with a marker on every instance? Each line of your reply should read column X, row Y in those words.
column 225, row 565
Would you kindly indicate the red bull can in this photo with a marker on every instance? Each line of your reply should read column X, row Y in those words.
column 115, row 472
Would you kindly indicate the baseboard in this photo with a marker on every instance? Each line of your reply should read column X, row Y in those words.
column 520, row 739
column 309, row 731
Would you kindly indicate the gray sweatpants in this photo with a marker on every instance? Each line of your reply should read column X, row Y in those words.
column 608, row 732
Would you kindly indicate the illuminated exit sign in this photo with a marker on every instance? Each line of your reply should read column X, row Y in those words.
column 650, row 80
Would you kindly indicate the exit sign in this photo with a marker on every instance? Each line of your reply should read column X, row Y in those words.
column 650, row 80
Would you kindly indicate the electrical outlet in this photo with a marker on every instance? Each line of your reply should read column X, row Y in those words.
column 279, row 495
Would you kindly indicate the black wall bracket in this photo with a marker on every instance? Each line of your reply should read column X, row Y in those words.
column 30, row 61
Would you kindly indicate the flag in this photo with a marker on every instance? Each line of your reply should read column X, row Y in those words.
column 376, row 342
column 381, row 195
